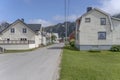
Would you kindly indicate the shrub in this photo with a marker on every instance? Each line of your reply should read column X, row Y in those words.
column 115, row 48
column 94, row 51
column 72, row 43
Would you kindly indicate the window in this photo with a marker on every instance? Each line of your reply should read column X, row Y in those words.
column 12, row 30
column 23, row 39
column 24, row 30
column 8, row 39
column 95, row 46
column 101, row 35
column 87, row 20
column 103, row 21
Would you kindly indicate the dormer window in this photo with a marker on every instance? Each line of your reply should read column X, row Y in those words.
column 24, row 30
column 103, row 21
column 87, row 20
column 12, row 30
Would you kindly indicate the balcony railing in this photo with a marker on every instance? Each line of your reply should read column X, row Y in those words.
column 17, row 42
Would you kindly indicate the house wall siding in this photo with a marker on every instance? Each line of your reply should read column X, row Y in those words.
column 37, row 41
column 18, row 33
column 18, row 26
column 93, row 47
column 88, row 34
column 77, row 34
column 44, row 41
column 116, row 32
column 18, row 47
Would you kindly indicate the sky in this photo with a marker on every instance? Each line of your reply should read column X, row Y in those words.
column 50, row 12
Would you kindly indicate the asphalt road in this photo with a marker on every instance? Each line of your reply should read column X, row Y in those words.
column 40, row 64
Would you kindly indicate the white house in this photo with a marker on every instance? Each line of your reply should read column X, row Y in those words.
column 96, row 29
column 47, row 38
column 19, row 36
column 44, row 41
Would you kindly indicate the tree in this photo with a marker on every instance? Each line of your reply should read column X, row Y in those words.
column 53, row 38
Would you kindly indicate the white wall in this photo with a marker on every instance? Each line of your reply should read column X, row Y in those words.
column 57, row 37
column 18, row 47
column 116, row 32
column 40, row 39
column 18, row 26
column 89, row 31
column 77, row 31
column 44, row 41
column 18, row 33
column 31, row 46
column 37, row 41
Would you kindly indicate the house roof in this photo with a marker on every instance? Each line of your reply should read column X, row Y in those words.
column 115, row 18
column 33, row 27
column 95, row 9
column 108, row 15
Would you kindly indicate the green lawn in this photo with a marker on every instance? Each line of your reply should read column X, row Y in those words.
column 84, row 65
column 19, row 51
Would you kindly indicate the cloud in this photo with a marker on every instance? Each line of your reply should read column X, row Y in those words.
column 62, row 18
column 110, row 6
column 59, row 18
column 40, row 21
column 73, row 17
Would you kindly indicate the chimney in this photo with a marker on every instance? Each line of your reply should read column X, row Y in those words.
column 22, row 19
column 89, row 9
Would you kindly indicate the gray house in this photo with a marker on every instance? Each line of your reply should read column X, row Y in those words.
column 97, row 29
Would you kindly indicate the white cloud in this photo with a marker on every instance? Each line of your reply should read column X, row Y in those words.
column 73, row 17
column 69, row 18
column 41, row 21
column 111, row 6
column 59, row 18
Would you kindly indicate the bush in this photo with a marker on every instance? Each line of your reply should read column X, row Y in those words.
column 115, row 48
column 72, row 43
column 94, row 51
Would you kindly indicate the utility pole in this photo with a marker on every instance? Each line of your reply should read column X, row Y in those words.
column 66, row 19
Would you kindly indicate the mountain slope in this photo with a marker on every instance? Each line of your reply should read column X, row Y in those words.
column 117, row 16
column 61, row 29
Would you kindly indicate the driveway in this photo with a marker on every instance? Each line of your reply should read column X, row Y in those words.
column 40, row 64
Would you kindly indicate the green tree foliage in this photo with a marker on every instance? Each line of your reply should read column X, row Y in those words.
column 53, row 38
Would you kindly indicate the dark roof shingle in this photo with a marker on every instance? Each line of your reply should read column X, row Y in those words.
column 34, row 27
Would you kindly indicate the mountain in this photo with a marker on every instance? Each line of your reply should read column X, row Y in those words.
column 117, row 16
column 61, row 29
column 3, row 25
